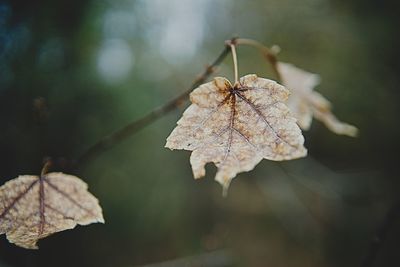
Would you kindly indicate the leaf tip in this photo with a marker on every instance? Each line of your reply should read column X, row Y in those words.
column 225, row 181
column 225, row 187
column 169, row 144
column 351, row 131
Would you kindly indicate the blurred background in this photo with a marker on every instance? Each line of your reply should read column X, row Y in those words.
column 73, row 71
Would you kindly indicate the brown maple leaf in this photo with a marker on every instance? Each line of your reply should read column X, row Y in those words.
column 33, row 207
column 306, row 103
column 237, row 126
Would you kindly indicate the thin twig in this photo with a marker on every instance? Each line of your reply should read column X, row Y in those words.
column 120, row 135
column 235, row 64
column 381, row 234
column 46, row 166
column 267, row 53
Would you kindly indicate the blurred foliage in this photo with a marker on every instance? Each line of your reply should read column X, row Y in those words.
column 73, row 71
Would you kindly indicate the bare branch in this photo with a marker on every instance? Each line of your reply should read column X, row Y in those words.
column 269, row 54
column 123, row 133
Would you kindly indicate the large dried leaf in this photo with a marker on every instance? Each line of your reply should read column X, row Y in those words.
column 237, row 126
column 306, row 103
column 33, row 207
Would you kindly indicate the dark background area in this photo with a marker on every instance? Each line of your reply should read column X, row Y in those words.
column 73, row 71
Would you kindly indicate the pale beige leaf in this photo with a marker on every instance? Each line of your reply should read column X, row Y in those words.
column 305, row 103
column 235, row 127
column 33, row 207
column 333, row 124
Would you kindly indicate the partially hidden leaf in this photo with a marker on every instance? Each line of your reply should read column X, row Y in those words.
column 34, row 207
column 305, row 103
column 236, row 126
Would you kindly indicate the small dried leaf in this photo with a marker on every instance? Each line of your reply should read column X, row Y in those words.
column 237, row 126
column 305, row 103
column 33, row 207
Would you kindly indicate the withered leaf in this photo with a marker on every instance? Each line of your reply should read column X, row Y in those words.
column 33, row 207
column 235, row 127
column 306, row 103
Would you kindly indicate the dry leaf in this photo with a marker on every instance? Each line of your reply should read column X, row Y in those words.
column 306, row 103
column 33, row 207
column 237, row 126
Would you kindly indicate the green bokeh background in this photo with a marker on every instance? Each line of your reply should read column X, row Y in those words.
column 73, row 71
